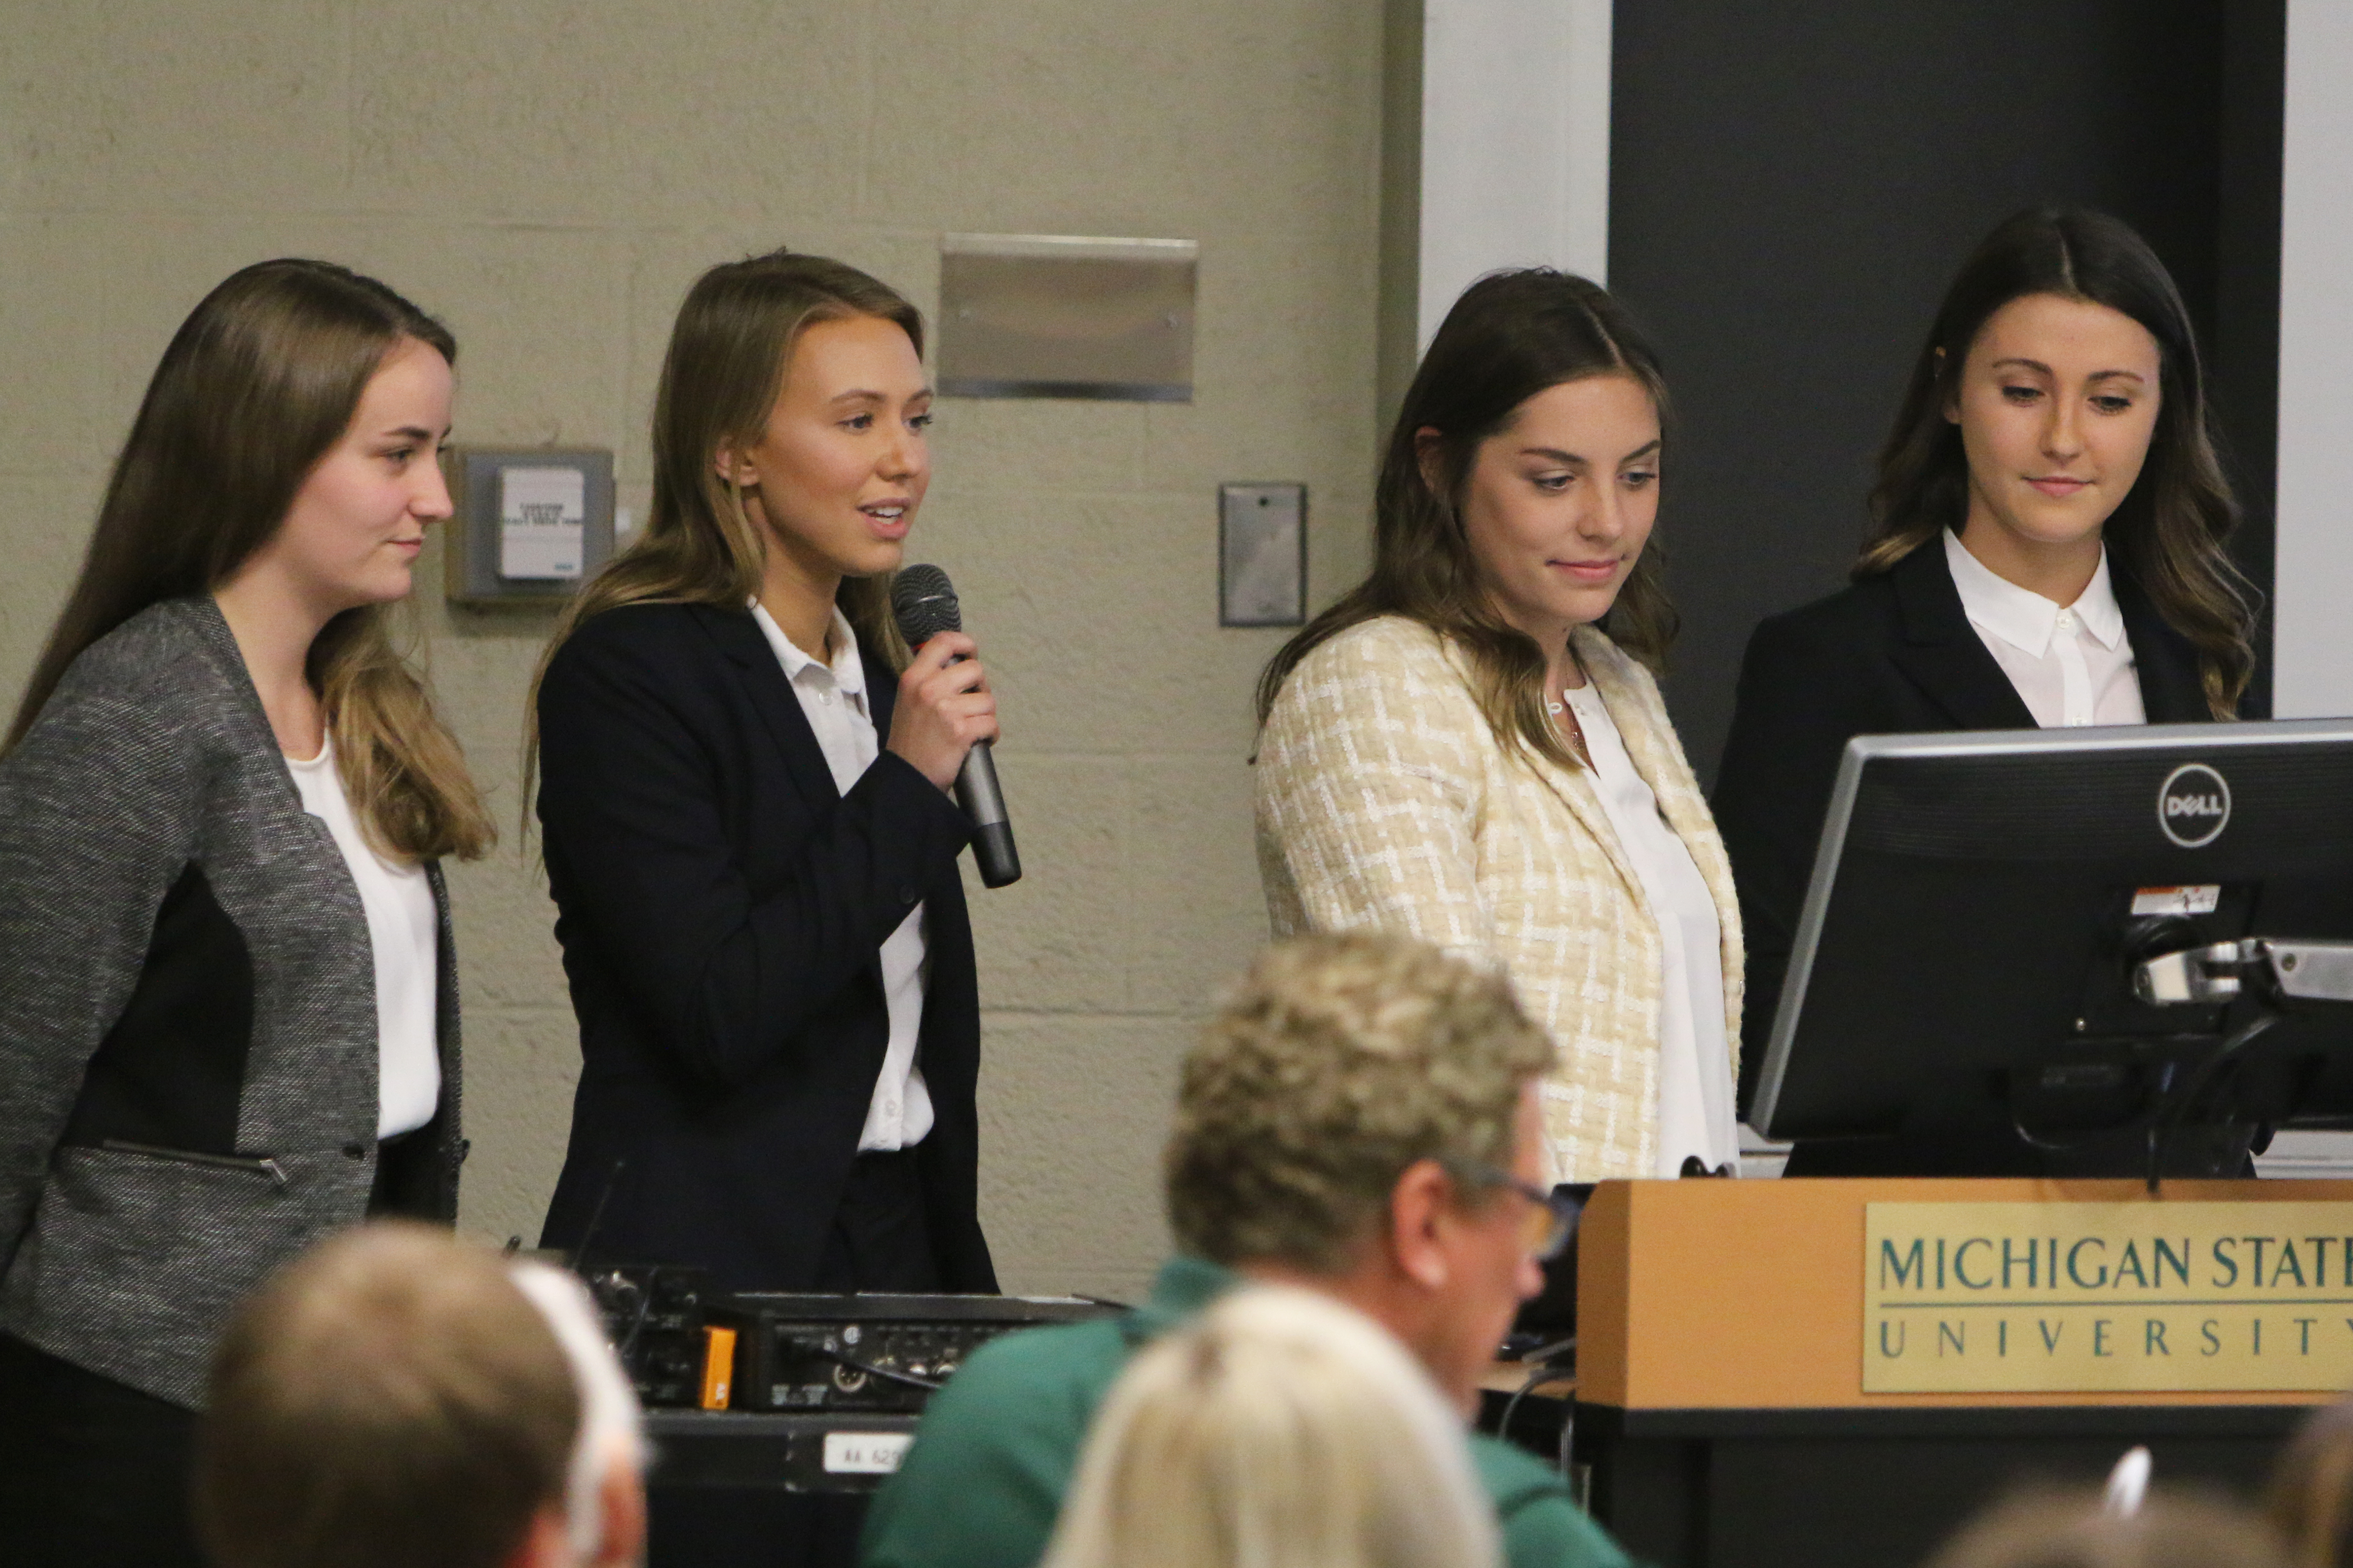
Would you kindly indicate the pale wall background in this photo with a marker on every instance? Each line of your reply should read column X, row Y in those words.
column 548, row 176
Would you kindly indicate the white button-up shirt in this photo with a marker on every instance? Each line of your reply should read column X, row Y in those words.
column 834, row 697
column 2073, row 665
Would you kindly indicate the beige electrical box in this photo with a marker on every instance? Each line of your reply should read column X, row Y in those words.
column 531, row 524
column 1058, row 316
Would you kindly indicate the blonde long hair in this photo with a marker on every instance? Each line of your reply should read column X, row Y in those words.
column 259, row 383
column 1280, row 1430
column 733, row 338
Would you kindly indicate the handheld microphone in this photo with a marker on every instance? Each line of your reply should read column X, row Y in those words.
column 925, row 605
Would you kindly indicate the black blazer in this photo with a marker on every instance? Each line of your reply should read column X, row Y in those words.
column 721, row 907
column 1893, row 653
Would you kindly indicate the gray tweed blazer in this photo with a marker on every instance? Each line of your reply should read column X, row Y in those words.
column 187, row 1013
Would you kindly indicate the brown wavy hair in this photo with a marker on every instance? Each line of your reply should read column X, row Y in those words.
column 256, row 386
column 1510, row 336
column 728, row 351
column 2172, row 533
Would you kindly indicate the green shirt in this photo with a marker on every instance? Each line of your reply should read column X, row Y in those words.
column 983, row 1484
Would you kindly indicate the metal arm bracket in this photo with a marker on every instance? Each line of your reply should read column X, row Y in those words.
column 2283, row 967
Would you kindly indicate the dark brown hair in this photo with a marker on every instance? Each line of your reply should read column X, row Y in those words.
column 391, row 1400
column 1510, row 336
column 728, row 352
column 259, row 383
column 2170, row 532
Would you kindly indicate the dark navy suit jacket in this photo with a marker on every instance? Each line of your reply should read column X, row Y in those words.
column 722, row 907
column 1893, row 653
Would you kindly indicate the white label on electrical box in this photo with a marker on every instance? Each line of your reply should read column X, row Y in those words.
column 865, row 1453
column 2200, row 900
column 542, row 518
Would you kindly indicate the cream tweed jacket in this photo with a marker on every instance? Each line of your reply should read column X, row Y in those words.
column 1384, row 800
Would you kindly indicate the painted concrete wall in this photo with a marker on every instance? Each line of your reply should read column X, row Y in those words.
column 2313, row 640
column 1514, row 143
column 549, row 177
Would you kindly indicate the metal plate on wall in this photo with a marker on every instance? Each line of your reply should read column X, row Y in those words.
column 1262, row 555
column 1053, row 316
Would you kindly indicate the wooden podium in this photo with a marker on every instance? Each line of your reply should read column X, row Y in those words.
column 1804, row 1371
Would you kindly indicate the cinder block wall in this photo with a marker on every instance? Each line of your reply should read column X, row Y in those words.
column 548, row 176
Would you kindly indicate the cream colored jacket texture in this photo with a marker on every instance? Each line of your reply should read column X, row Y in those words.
column 1385, row 801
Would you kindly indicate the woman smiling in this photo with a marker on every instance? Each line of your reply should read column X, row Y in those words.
column 1460, row 750
column 2046, row 550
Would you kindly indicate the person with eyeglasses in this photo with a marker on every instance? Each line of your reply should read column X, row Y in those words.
column 1360, row 1118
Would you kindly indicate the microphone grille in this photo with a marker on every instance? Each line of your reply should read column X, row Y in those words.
column 925, row 603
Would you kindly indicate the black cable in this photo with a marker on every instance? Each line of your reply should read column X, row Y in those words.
column 1536, row 1379
column 887, row 1373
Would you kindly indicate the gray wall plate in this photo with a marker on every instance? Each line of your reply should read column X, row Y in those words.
column 1262, row 555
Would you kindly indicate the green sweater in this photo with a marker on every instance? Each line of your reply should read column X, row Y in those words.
column 983, row 1484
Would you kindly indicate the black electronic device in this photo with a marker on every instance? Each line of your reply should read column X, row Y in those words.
column 2082, row 951
column 654, row 1314
column 870, row 1352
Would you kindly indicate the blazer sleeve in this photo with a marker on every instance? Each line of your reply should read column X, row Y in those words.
column 98, row 809
column 727, row 971
column 1803, row 694
column 1368, row 789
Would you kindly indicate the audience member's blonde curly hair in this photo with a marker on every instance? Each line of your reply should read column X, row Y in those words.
column 1340, row 1060
column 2311, row 1494
column 1278, row 1430
column 2071, row 1529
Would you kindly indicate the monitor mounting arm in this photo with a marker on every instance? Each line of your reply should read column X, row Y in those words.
column 2276, row 968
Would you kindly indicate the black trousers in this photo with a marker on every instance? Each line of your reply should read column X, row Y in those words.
column 878, row 1242
column 93, row 1474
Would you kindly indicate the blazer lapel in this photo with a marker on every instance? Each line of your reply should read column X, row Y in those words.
column 740, row 638
column 1651, row 744
column 1574, row 789
column 2164, row 661
column 1942, row 653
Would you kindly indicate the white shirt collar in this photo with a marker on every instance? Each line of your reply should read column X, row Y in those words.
column 2022, row 617
column 849, row 671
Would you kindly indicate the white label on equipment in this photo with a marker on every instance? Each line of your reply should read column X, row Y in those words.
column 542, row 516
column 865, row 1453
column 2177, row 900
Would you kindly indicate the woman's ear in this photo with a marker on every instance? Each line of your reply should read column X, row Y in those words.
column 1952, row 397
column 732, row 467
column 1428, row 455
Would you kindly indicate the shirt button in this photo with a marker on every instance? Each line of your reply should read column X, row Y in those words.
column 907, row 895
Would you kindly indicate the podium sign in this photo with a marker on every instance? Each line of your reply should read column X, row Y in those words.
column 2014, row 1297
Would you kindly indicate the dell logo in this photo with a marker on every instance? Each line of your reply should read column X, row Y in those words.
column 2194, row 805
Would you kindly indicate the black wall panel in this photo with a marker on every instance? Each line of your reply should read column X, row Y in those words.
column 1793, row 184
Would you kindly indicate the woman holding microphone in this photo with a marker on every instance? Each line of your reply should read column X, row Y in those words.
column 2047, row 549
column 228, row 1003
column 743, row 790
column 1470, row 747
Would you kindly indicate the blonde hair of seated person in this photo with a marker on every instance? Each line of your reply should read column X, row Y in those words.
column 2071, row 1529
column 2310, row 1498
column 1278, row 1430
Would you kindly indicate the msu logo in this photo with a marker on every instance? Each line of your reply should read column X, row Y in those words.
column 2194, row 806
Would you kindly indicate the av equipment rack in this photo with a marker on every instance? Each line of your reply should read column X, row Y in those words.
column 868, row 1352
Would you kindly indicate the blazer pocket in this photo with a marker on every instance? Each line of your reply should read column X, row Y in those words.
column 255, row 1164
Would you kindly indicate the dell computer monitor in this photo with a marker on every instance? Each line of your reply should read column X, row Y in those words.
column 1961, row 989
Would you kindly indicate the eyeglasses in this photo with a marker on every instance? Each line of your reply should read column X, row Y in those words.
column 1551, row 1217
